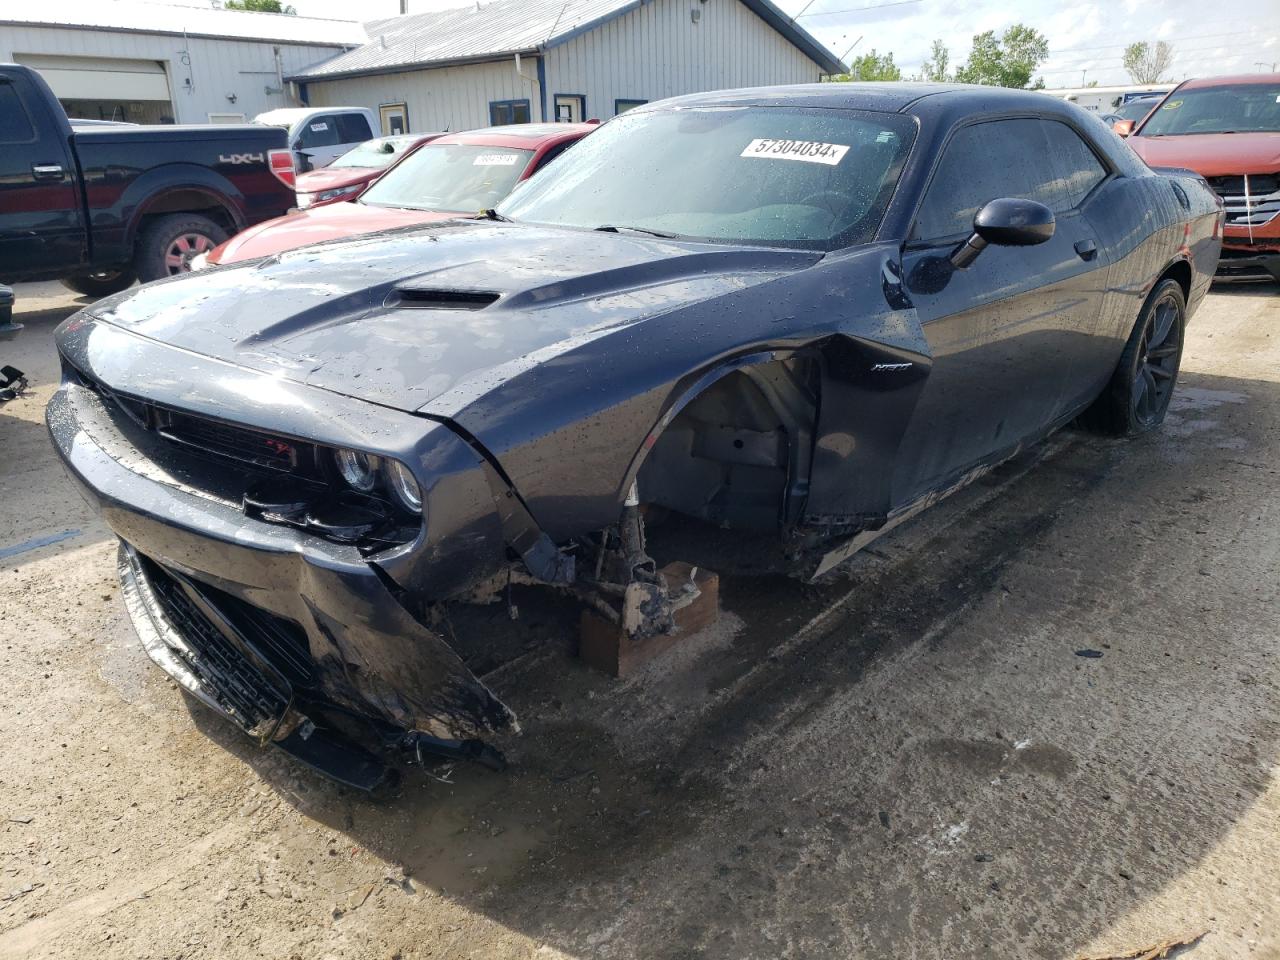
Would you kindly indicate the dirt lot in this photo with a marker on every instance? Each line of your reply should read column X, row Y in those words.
column 913, row 760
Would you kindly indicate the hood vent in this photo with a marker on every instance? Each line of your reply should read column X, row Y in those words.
column 442, row 299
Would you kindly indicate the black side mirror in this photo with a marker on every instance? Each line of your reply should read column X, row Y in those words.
column 302, row 161
column 1007, row 222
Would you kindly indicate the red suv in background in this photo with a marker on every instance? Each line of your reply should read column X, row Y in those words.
column 461, row 174
column 1227, row 129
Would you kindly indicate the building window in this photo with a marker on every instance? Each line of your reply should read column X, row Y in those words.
column 622, row 106
column 503, row 112
column 570, row 108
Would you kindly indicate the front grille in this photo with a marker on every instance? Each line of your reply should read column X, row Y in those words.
column 214, row 438
column 1248, row 205
column 231, row 678
column 280, row 642
column 234, row 443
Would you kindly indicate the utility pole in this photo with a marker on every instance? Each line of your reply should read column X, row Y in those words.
column 1271, row 67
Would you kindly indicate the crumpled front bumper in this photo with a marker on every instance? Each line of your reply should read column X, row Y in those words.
column 312, row 632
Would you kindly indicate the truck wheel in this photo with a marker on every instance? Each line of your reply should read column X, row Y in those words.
column 1138, row 395
column 101, row 284
column 167, row 245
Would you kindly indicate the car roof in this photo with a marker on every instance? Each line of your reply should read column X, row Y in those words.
column 1239, row 79
column 524, row 136
column 291, row 115
column 884, row 97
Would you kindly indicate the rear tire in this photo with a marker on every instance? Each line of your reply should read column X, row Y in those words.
column 1137, row 398
column 167, row 245
column 101, row 284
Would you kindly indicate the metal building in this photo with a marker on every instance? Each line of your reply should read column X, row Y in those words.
column 160, row 63
column 514, row 61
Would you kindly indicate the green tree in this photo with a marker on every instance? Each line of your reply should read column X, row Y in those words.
column 259, row 6
column 1005, row 61
column 935, row 68
column 1147, row 62
column 871, row 66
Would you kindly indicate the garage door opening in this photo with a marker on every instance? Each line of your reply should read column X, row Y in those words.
column 106, row 88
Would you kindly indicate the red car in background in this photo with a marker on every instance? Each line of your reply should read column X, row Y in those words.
column 1227, row 129
column 356, row 169
column 461, row 174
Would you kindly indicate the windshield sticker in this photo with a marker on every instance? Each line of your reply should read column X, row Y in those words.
column 807, row 150
column 495, row 160
column 1172, row 105
column 319, row 127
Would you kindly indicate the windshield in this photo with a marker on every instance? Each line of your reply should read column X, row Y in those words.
column 452, row 177
column 784, row 176
column 1238, row 108
column 1135, row 110
column 374, row 153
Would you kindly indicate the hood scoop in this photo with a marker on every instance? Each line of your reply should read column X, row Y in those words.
column 441, row 299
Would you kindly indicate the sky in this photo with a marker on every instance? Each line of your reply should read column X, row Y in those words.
column 1086, row 38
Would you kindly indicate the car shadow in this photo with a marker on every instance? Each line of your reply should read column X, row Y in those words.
column 1009, row 724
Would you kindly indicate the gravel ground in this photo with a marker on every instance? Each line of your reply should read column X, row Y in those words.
column 912, row 760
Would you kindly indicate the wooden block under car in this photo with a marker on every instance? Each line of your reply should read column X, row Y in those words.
column 608, row 647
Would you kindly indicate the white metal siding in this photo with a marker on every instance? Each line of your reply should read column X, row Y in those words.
column 657, row 51
column 217, row 67
column 452, row 98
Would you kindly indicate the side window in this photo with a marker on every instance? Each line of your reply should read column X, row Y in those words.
column 982, row 161
column 1078, row 169
column 353, row 128
column 15, row 126
column 554, row 152
column 319, row 131
column 1033, row 159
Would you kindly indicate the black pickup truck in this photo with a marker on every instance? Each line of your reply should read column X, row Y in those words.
column 99, row 206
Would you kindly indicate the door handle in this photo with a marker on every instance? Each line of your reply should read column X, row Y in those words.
column 47, row 171
column 1087, row 249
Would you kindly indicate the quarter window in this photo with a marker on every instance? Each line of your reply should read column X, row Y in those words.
column 353, row 128
column 1032, row 159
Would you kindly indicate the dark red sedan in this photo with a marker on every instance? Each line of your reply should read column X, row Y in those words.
column 356, row 169
column 456, row 175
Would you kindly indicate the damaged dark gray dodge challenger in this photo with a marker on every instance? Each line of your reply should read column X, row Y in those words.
column 802, row 313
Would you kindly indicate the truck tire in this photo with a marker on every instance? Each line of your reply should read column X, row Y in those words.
column 167, row 244
column 1138, row 395
column 101, row 284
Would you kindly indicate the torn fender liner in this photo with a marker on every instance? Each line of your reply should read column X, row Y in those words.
column 408, row 674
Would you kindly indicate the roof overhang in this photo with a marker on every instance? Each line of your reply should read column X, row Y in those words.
column 415, row 67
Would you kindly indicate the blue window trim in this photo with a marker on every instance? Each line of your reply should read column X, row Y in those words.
column 582, row 97
column 630, row 100
column 542, row 89
column 508, row 103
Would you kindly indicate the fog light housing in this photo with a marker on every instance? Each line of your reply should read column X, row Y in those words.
column 358, row 470
column 404, row 487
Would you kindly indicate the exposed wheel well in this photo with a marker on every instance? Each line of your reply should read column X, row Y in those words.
column 188, row 201
column 737, row 455
column 1181, row 271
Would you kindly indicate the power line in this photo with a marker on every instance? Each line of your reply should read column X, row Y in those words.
column 1109, row 46
column 874, row 6
column 1090, row 61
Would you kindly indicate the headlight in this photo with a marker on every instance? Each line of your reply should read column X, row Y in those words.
column 404, row 487
column 199, row 261
column 305, row 200
column 359, row 470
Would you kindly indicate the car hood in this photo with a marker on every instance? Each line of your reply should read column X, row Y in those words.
column 332, row 221
column 330, row 179
column 1212, row 154
column 405, row 318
